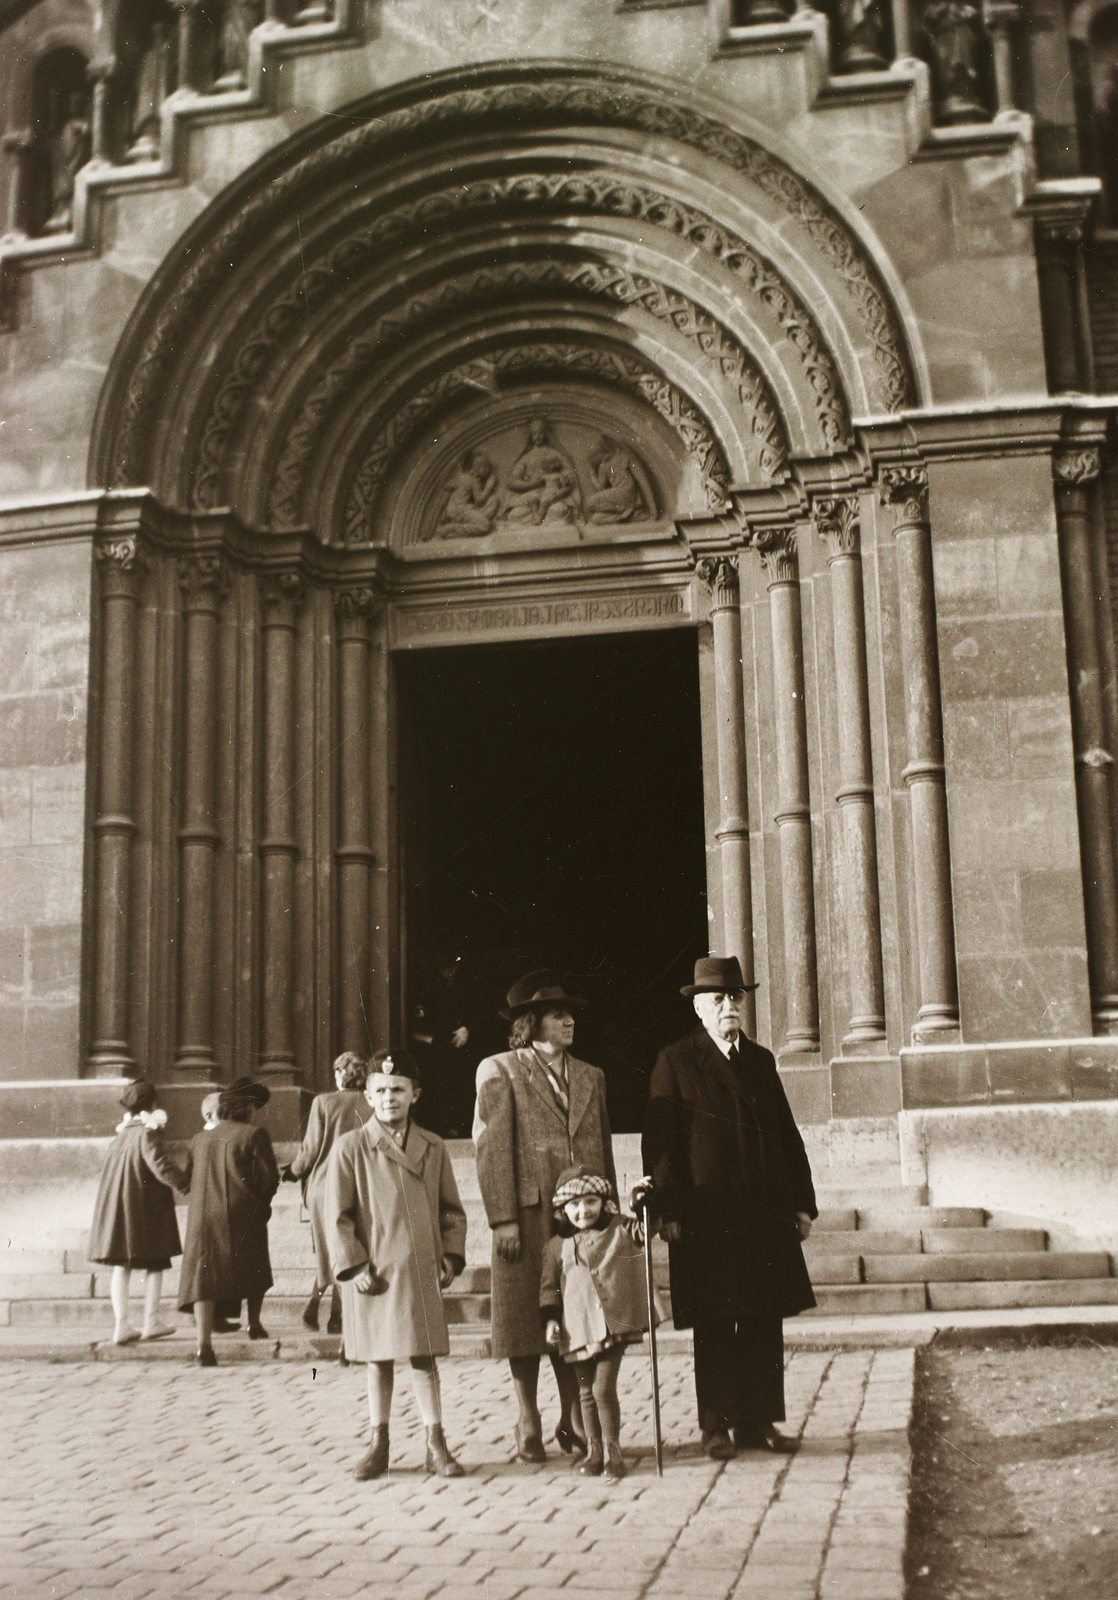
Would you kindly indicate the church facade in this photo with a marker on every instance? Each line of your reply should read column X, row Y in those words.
column 338, row 336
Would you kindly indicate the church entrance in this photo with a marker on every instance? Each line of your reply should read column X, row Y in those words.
column 551, row 814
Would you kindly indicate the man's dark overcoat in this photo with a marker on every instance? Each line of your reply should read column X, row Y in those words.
column 233, row 1176
column 729, row 1164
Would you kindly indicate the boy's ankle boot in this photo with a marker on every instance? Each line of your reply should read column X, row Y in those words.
column 335, row 1323
column 615, row 1462
column 592, row 1466
column 374, row 1463
column 439, row 1458
column 310, row 1310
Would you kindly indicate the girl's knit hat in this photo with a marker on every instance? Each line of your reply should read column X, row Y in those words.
column 577, row 1181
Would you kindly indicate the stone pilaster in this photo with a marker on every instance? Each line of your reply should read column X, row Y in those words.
column 281, row 597
column 906, row 490
column 837, row 522
column 777, row 550
column 120, row 566
column 1075, row 471
column 202, row 581
column 720, row 576
column 354, row 855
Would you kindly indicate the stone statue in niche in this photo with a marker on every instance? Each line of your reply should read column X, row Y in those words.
column 622, row 492
column 543, row 484
column 153, row 85
column 473, row 499
column 953, row 40
column 69, row 152
column 241, row 17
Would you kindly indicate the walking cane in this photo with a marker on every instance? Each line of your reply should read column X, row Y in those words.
column 652, row 1361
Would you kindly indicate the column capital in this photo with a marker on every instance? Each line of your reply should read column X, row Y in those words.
column 203, row 580
column 906, row 490
column 121, row 564
column 719, row 574
column 1074, row 468
column 837, row 521
column 779, row 554
column 354, row 607
column 282, row 594
column 1001, row 16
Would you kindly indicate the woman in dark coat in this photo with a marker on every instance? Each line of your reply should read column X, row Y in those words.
column 345, row 1111
column 233, row 1176
column 134, row 1227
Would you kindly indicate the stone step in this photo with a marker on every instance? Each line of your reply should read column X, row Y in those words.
column 829, row 1268
column 835, row 1221
column 929, row 1241
column 46, row 1286
column 887, row 1219
column 861, row 1242
column 1003, row 1296
column 32, row 1263
column 865, row 1197
column 1008, row 1266
column 869, row 1300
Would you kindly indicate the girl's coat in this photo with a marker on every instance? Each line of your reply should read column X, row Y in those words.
column 595, row 1279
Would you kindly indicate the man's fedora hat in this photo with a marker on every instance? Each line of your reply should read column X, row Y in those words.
column 717, row 975
column 540, row 988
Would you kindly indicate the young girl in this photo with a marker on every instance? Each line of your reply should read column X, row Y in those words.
column 134, row 1227
column 593, row 1302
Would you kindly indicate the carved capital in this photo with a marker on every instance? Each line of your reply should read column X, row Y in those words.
column 906, row 490
column 1001, row 16
column 779, row 556
column 121, row 564
column 203, row 580
column 1073, row 468
column 837, row 523
column 719, row 574
column 282, row 594
column 354, row 607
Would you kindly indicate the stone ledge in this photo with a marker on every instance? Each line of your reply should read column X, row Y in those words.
column 89, row 1108
column 1033, row 1071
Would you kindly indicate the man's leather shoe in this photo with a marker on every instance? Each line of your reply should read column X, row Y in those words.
column 718, row 1445
column 769, row 1439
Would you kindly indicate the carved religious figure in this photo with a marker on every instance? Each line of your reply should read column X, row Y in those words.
column 153, row 85
column 543, row 484
column 861, row 43
column 69, row 152
column 953, row 38
column 472, row 499
column 241, row 17
column 622, row 492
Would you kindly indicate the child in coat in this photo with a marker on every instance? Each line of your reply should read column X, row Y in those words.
column 396, row 1232
column 134, row 1227
column 593, row 1301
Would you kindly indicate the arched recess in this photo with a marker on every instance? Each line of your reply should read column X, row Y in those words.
column 320, row 390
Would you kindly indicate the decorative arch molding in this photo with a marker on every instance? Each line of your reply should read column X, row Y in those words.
column 525, row 362
column 518, row 99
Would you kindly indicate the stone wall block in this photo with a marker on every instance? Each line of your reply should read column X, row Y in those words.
column 1028, row 574
column 15, row 806
column 57, row 804
column 18, row 656
column 1039, row 737
column 988, row 912
column 1033, row 994
column 1002, row 657
column 43, row 729
column 976, row 739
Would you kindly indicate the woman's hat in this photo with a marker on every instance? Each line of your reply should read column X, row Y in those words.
column 394, row 1064
column 573, row 1182
column 717, row 975
column 139, row 1096
column 255, row 1094
column 540, row 988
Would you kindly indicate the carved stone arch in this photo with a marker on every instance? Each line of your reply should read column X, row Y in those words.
column 836, row 249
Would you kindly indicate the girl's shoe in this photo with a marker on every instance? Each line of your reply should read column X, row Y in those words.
column 592, row 1466
column 125, row 1335
column 374, row 1463
column 206, row 1357
column 615, row 1462
column 569, row 1441
column 529, row 1447
column 161, row 1330
column 439, row 1458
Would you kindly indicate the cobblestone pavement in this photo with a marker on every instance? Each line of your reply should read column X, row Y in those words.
column 133, row 1479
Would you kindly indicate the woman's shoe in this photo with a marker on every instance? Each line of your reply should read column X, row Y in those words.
column 569, row 1441
column 592, row 1466
column 615, row 1462
column 439, row 1458
column 335, row 1323
column 529, row 1447
column 223, row 1325
column 206, row 1357
column 310, row 1312
column 374, row 1463
column 257, row 1331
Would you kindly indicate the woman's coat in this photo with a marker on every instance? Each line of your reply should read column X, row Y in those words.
column 398, row 1211
column 233, row 1176
column 523, row 1142
column 134, row 1218
column 332, row 1115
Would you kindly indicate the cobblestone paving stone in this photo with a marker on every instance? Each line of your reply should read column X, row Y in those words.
column 131, row 1480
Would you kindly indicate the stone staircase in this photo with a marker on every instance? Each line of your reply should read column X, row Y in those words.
column 878, row 1249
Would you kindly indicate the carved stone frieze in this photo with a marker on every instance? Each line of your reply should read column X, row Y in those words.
column 1075, row 467
column 606, row 99
column 906, row 490
column 719, row 575
column 778, row 552
column 121, row 564
column 516, row 363
column 203, row 580
column 838, row 524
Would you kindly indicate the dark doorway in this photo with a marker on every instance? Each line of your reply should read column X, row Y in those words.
column 551, row 814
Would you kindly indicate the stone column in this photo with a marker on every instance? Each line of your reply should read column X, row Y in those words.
column 777, row 549
column 906, row 489
column 121, row 569
column 354, row 853
column 902, row 30
column 202, row 580
column 1059, row 272
column 18, row 146
column 101, row 75
column 838, row 525
column 281, row 594
column 1002, row 18
column 720, row 575
column 187, row 73
column 1075, row 471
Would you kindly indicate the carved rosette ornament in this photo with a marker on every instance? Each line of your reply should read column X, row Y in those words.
column 1074, row 468
column 906, row 490
column 203, row 580
column 719, row 575
column 779, row 555
column 121, row 564
column 838, row 523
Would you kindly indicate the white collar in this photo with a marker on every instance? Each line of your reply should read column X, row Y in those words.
column 725, row 1045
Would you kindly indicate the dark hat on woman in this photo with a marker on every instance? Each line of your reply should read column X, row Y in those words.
column 139, row 1096
column 393, row 1064
column 717, row 975
column 253, row 1094
column 540, row 988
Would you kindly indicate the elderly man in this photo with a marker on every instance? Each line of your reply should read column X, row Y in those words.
column 734, row 1195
